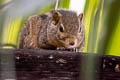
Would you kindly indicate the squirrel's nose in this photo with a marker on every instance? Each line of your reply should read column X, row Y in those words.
column 71, row 43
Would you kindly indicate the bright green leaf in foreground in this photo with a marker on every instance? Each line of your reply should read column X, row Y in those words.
column 114, row 23
column 102, row 24
column 90, row 11
column 11, row 31
column 109, row 37
column 114, row 43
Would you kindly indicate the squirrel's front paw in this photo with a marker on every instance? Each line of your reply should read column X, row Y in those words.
column 64, row 49
column 74, row 49
column 61, row 48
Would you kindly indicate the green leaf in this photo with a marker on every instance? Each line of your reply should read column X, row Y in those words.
column 11, row 32
column 1, row 2
column 109, row 39
column 90, row 31
column 64, row 4
column 102, row 24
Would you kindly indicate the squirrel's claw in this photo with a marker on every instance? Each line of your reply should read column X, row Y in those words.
column 73, row 49
column 63, row 49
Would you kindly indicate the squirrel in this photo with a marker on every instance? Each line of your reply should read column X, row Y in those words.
column 55, row 29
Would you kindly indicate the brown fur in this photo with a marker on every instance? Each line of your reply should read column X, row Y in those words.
column 43, row 31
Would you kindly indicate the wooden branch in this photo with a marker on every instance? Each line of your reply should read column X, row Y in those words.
column 29, row 64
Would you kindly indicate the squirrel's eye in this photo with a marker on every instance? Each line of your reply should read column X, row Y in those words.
column 61, row 28
column 80, row 30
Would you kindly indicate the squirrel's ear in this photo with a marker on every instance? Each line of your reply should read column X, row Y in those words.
column 56, row 17
column 81, row 16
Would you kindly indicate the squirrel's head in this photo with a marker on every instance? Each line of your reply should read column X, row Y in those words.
column 66, row 29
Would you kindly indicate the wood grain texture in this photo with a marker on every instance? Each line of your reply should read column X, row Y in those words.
column 31, row 64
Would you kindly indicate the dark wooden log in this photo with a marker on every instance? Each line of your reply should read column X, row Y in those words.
column 31, row 64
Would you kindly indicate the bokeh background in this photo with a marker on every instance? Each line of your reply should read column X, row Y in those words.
column 101, row 20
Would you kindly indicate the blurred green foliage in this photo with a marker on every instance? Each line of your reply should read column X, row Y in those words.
column 1, row 24
column 0, row 2
column 102, row 23
column 111, row 20
column 11, row 32
column 64, row 4
column 90, row 11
